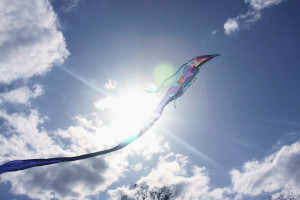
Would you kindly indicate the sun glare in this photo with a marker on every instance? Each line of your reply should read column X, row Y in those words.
column 134, row 108
column 130, row 112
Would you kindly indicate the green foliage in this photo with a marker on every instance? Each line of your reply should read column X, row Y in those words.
column 144, row 192
column 285, row 194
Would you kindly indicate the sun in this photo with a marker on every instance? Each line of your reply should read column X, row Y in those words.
column 133, row 108
column 129, row 111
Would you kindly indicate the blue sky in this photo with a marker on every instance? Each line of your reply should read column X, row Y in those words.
column 72, row 81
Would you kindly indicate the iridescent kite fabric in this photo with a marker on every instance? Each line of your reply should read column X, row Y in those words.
column 186, row 76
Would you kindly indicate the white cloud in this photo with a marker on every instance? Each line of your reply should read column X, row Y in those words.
column 253, row 14
column 30, row 42
column 110, row 84
column 262, row 4
column 214, row 31
column 21, row 95
column 24, row 137
column 192, row 182
column 69, row 5
column 231, row 26
column 104, row 103
column 269, row 175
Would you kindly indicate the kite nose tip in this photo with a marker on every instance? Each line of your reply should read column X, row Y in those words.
column 215, row 55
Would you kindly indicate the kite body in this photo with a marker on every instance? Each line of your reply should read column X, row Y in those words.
column 186, row 76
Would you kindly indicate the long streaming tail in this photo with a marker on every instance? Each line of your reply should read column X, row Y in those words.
column 17, row 165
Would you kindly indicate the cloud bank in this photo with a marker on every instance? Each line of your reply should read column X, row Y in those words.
column 23, row 137
column 191, row 181
column 30, row 42
column 273, row 173
column 269, row 175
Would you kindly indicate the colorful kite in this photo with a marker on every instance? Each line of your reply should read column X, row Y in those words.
column 186, row 76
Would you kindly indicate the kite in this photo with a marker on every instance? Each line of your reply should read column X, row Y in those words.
column 186, row 76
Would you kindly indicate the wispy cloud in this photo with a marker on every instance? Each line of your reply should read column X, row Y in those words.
column 69, row 5
column 30, row 42
column 231, row 26
column 21, row 95
column 110, row 84
column 214, row 32
column 253, row 14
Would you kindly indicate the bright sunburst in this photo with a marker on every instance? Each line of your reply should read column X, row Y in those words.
column 130, row 111
column 134, row 108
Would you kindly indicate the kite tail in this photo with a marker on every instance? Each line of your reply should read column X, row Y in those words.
column 17, row 165
column 162, row 84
